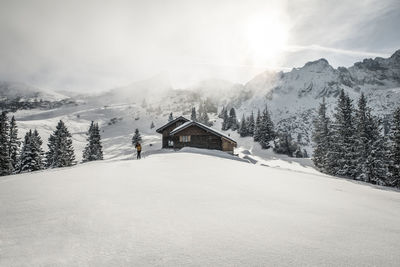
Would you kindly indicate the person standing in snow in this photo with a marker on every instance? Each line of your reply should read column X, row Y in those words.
column 138, row 150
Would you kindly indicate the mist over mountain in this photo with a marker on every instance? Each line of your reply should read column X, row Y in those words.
column 291, row 96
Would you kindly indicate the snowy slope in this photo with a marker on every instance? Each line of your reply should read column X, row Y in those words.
column 212, row 212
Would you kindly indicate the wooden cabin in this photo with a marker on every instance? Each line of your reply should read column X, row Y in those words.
column 182, row 132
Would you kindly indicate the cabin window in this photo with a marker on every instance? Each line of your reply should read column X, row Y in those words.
column 170, row 143
column 184, row 138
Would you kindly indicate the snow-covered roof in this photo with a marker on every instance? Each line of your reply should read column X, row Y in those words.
column 159, row 130
column 204, row 127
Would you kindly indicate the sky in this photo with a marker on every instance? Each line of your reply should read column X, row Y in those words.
column 89, row 46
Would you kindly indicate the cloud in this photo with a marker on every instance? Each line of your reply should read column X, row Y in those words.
column 314, row 47
column 95, row 45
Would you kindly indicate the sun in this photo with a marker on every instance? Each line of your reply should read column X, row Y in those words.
column 266, row 38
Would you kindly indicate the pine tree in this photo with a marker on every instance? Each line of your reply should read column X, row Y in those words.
column 394, row 166
column 343, row 140
column 265, row 130
column 152, row 125
column 31, row 158
column 193, row 116
column 250, row 124
column 171, row 117
column 257, row 124
column 243, row 131
column 321, row 138
column 370, row 146
column 61, row 151
column 93, row 150
column 5, row 160
column 136, row 137
column 225, row 121
column 14, row 143
column 377, row 162
column 232, row 121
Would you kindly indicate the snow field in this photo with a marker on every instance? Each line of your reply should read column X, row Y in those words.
column 175, row 209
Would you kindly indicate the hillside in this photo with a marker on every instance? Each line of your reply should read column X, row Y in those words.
column 225, row 213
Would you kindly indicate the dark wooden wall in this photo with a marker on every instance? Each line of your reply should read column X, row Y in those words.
column 198, row 138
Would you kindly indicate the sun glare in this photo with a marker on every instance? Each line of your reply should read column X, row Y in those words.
column 266, row 38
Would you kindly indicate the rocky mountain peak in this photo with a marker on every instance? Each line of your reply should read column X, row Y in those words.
column 319, row 64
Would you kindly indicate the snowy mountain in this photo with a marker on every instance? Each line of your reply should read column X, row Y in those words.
column 16, row 90
column 214, row 211
column 293, row 96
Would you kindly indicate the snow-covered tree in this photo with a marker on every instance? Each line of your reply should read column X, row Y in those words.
column 61, row 152
column 232, row 120
column 284, row 144
column 321, row 138
column 250, row 124
column 136, row 137
column 204, row 119
column 171, row 117
column 193, row 116
column 370, row 146
column 94, row 149
column 14, row 143
column 6, row 166
column 225, row 120
column 31, row 158
column 394, row 155
column 243, row 131
column 256, row 135
column 265, row 130
column 343, row 138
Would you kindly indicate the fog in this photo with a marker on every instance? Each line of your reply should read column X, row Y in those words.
column 88, row 46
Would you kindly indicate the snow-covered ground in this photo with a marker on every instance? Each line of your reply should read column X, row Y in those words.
column 188, row 208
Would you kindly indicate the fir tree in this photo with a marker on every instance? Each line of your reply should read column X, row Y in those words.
column 205, row 119
column 243, row 131
column 343, row 141
column 136, row 137
column 6, row 166
column 193, row 116
column 250, row 124
column 321, row 138
column 257, row 124
column 394, row 155
column 31, row 158
column 61, row 151
column 152, row 125
column 225, row 121
column 94, row 149
column 171, row 117
column 265, row 130
column 232, row 121
column 370, row 146
column 14, row 143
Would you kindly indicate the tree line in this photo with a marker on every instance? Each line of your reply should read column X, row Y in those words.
column 261, row 128
column 353, row 144
column 28, row 155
